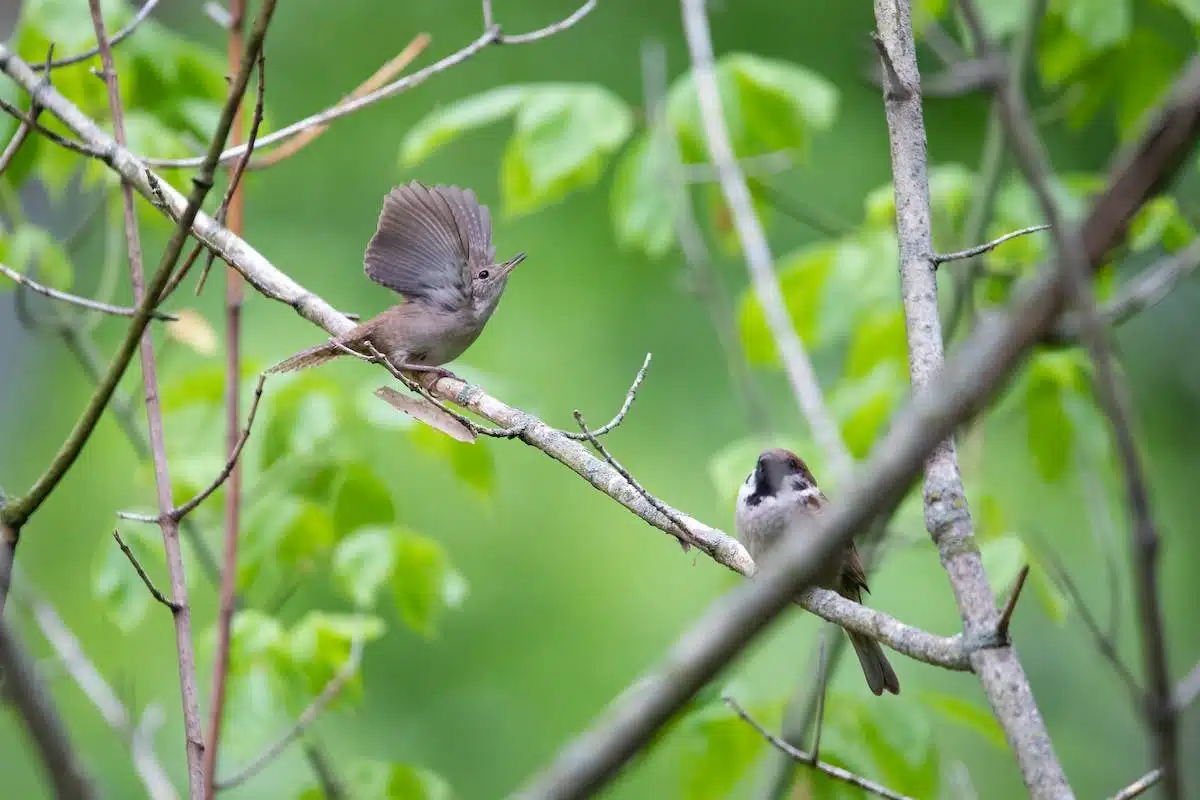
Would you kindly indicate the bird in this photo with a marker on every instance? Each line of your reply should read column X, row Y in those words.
column 433, row 247
column 781, row 498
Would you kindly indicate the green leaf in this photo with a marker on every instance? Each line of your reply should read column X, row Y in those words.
column 1100, row 23
column 1052, row 376
column 424, row 583
column 1051, row 598
column 781, row 101
column 1159, row 223
column 564, row 134
column 878, row 339
column 258, row 663
column 363, row 563
column 203, row 385
column 769, row 105
column 320, row 645
column 1189, row 8
column 641, row 203
column 801, row 278
column 123, row 596
column 377, row 780
column 449, row 122
column 864, row 406
column 148, row 136
column 967, row 715
column 891, row 742
column 303, row 532
column 1002, row 18
column 302, row 417
column 472, row 463
column 1003, row 558
column 36, row 253
column 361, row 499
column 718, row 750
column 1155, row 62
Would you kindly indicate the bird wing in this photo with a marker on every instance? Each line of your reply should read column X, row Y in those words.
column 475, row 221
column 421, row 247
column 853, row 578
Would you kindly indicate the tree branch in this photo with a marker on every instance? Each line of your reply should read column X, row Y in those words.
column 82, row 302
column 1117, row 403
column 977, row 369
column 41, row 719
column 837, row 773
column 971, row 252
column 116, row 39
column 1143, row 292
column 801, row 374
column 137, row 567
column 231, row 211
column 488, row 37
column 947, row 514
column 91, row 682
column 307, row 717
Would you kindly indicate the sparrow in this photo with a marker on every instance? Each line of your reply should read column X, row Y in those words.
column 781, row 498
column 433, row 247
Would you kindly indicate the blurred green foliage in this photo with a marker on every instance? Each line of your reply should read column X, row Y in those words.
column 357, row 520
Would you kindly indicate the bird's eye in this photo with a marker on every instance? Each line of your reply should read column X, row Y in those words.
column 483, row 273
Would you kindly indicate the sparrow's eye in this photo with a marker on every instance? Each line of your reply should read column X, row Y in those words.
column 483, row 273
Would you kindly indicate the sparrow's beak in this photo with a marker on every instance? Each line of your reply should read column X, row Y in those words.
column 511, row 264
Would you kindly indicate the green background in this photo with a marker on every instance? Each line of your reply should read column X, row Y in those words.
column 571, row 597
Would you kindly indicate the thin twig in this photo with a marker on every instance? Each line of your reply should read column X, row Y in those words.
column 69, row 144
column 701, row 276
column 971, row 252
column 231, row 210
column 550, row 30
column 307, row 717
column 82, row 302
column 1140, row 786
column 137, row 565
column 58, row 756
column 1011, row 605
column 1116, row 401
column 620, row 415
column 1106, row 646
column 837, row 773
column 382, row 76
column 81, row 669
column 181, row 615
column 158, row 784
column 183, row 510
column 116, row 39
column 235, row 176
column 1143, row 292
column 488, row 37
column 991, row 169
column 19, row 137
column 681, row 530
column 799, row 368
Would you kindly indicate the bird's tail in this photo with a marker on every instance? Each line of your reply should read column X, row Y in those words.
column 875, row 666
column 309, row 358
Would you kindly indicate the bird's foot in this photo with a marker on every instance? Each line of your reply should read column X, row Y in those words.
column 434, row 373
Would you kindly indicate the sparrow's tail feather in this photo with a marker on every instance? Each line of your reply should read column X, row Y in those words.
column 309, row 358
column 875, row 666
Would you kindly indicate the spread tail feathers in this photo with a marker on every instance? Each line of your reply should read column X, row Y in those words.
column 309, row 358
column 875, row 666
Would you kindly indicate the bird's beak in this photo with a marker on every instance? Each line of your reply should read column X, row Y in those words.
column 510, row 265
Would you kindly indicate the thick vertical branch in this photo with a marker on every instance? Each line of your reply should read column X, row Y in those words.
column 170, row 527
column 947, row 515
column 234, row 294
